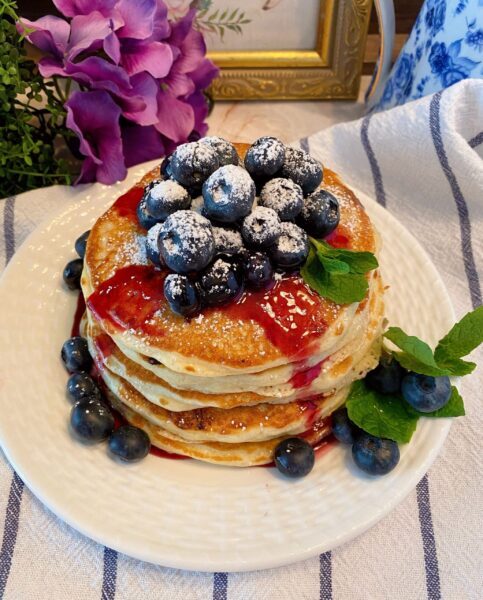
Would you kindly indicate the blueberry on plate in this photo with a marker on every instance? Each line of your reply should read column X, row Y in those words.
column 145, row 219
column 81, row 243
column 165, row 168
column 91, row 420
column 376, row 456
column 75, row 355
column 129, row 443
column 222, row 281
column 292, row 247
column 227, row 154
column 294, row 457
column 283, row 196
column 261, row 228
column 301, row 168
column 192, row 163
column 228, row 194
column 386, row 378
column 320, row 214
column 72, row 273
column 165, row 198
column 186, row 242
column 228, row 240
column 424, row 393
column 181, row 294
column 152, row 248
column 80, row 386
column 258, row 270
column 264, row 157
column 344, row 430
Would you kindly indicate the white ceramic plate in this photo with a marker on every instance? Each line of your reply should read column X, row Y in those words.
column 188, row 514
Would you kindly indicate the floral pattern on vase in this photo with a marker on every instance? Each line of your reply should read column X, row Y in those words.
column 444, row 47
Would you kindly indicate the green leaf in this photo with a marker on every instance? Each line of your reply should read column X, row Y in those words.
column 332, row 265
column 454, row 408
column 465, row 336
column 380, row 415
column 213, row 16
column 416, row 355
column 358, row 262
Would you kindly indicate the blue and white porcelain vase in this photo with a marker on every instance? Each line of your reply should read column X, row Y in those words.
column 445, row 46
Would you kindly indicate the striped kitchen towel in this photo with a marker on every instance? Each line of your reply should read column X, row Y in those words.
column 423, row 162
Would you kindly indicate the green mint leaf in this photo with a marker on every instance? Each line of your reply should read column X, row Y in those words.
column 333, row 265
column 345, row 289
column 416, row 355
column 454, row 408
column 456, row 367
column 358, row 262
column 465, row 336
column 380, row 415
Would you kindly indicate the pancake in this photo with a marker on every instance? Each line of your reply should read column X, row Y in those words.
column 263, row 330
column 246, row 454
column 227, row 385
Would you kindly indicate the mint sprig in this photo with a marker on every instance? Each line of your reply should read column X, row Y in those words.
column 390, row 416
column 417, row 356
column 336, row 273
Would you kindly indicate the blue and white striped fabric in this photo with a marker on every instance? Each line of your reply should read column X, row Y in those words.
column 423, row 161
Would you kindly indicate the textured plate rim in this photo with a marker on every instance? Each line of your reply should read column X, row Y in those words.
column 33, row 479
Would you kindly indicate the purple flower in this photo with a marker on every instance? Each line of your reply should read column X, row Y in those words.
column 141, row 78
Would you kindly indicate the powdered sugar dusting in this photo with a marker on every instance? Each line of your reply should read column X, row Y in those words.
column 284, row 196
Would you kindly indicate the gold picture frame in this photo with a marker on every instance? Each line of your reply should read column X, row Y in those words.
column 332, row 70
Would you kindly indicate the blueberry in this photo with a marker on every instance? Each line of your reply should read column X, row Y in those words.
column 284, row 196
column 152, row 249
column 165, row 198
column 72, row 273
column 145, row 219
column 294, row 457
column 165, row 168
column 91, row 420
column 376, row 456
column 228, row 194
column 80, row 386
column 424, row 393
column 129, row 443
column 343, row 428
column 186, row 242
column 222, row 281
column 228, row 240
column 258, row 270
column 81, row 243
column 320, row 214
column 265, row 157
column 292, row 247
column 191, row 164
column 181, row 294
column 386, row 377
column 227, row 154
column 301, row 168
column 75, row 355
column 262, row 228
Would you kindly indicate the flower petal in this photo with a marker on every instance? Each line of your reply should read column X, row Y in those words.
column 204, row 74
column 141, row 144
column 146, row 88
column 200, row 109
column 50, row 34
column 176, row 118
column 179, row 84
column 156, row 58
column 193, row 50
column 112, row 47
column 94, row 117
column 138, row 16
column 71, row 8
column 88, row 32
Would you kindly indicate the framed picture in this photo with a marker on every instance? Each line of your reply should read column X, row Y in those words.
column 283, row 49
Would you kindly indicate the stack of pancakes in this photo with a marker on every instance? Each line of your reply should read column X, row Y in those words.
column 228, row 385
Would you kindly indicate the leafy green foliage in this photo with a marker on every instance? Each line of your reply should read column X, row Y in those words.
column 220, row 20
column 338, row 274
column 32, row 116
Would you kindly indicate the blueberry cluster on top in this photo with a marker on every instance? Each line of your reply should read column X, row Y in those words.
column 229, row 238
